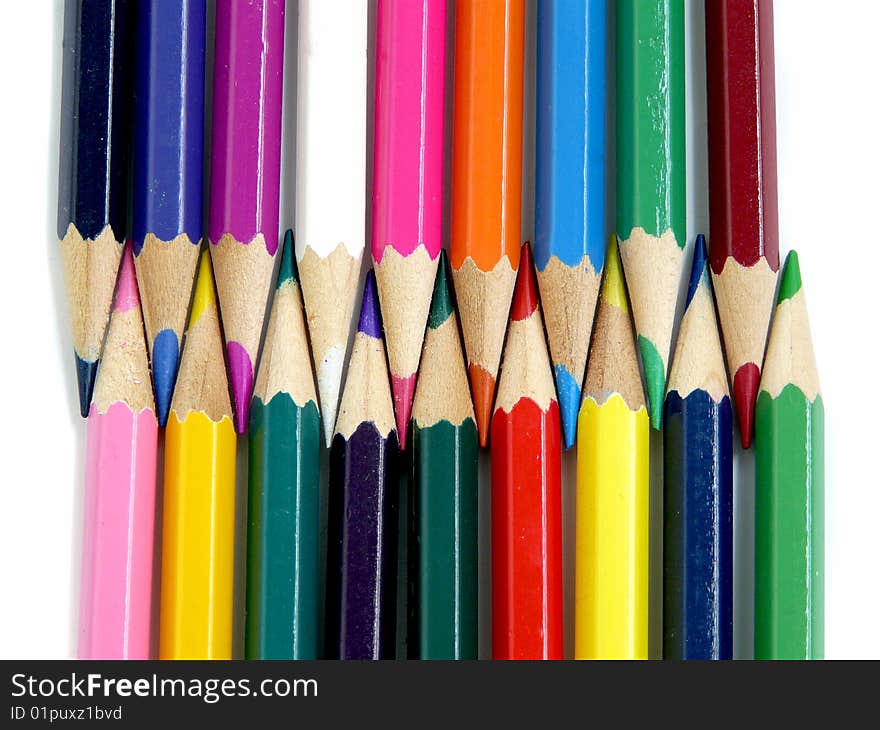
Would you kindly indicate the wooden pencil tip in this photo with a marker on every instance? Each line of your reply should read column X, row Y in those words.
column 746, row 382
column 85, row 382
column 441, row 299
column 483, row 390
column 613, row 286
column 525, row 292
column 287, row 268
column 370, row 320
column 699, row 270
column 791, row 278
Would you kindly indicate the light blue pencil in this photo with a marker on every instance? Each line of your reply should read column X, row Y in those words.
column 570, row 187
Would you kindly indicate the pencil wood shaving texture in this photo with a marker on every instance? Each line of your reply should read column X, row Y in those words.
column 329, row 288
column 330, row 198
column 366, row 368
column 790, row 357
column 90, row 268
column 568, row 298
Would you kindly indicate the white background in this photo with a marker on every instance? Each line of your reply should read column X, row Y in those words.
column 828, row 111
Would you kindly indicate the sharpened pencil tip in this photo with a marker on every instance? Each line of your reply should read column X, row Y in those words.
column 370, row 320
column 165, row 360
column 241, row 373
column 85, row 381
column 569, row 393
column 287, row 269
column 403, row 390
column 791, row 278
column 525, row 292
column 483, row 391
column 746, row 382
column 655, row 380
column 699, row 269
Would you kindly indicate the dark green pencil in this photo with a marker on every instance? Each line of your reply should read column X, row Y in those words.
column 445, row 452
column 283, row 473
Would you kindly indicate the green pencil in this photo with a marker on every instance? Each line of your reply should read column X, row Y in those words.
column 283, row 473
column 445, row 450
column 651, row 201
column 790, row 486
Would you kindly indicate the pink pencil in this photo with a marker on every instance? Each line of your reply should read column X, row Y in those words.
column 245, row 177
column 408, row 180
column 117, row 562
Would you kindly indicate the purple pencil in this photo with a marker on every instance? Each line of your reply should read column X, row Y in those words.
column 362, row 551
column 245, row 176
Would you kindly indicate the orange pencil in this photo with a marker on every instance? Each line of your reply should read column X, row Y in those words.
column 486, row 183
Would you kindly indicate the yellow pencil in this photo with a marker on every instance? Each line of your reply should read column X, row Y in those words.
column 199, row 516
column 611, row 573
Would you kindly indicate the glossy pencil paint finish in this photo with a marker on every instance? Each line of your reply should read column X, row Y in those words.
column 790, row 487
column 741, row 98
column 698, row 485
column 613, row 491
column 198, row 530
column 167, row 175
column 120, row 492
column 570, row 186
column 651, row 172
column 407, row 180
column 445, row 455
column 92, row 179
column 363, row 510
column 526, row 489
column 245, row 177
column 486, row 183
column 283, row 485
column 331, row 133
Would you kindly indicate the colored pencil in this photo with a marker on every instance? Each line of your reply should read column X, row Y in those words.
column 651, row 167
column 245, row 177
column 445, row 452
column 611, row 565
column 362, row 544
column 698, row 484
column 283, row 475
column 790, row 486
column 741, row 105
column 198, row 529
column 117, row 563
column 526, row 488
column 167, row 175
column 570, row 187
column 331, row 158
column 407, row 180
column 92, row 179
column 486, row 183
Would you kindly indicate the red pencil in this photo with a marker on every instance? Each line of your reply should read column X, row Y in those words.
column 526, row 488
column 742, row 186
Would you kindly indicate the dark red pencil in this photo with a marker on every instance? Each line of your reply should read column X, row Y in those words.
column 742, row 186
column 526, row 489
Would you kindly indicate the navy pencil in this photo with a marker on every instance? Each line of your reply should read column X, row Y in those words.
column 92, row 180
column 698, row 483
column 363, row 510
column 167, row 179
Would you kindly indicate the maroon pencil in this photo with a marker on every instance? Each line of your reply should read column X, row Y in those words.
column 742, row 186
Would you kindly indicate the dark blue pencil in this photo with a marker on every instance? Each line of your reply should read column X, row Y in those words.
column 698, row 482
column 92, row 184
column 167, row 180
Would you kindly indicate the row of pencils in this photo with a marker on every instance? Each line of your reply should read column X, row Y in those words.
column 449, row 355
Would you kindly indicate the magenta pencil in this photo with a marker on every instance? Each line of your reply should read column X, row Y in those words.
column 245, row 176
column 407, row 180
column 117, row 561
